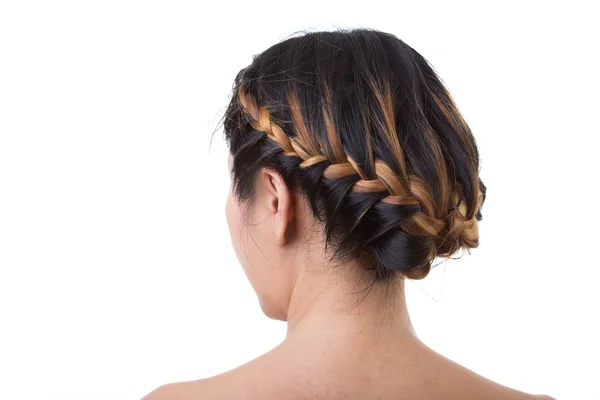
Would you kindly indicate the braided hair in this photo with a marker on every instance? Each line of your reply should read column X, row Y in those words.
column 359, row 123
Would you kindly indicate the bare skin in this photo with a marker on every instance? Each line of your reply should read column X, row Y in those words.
column 341, row 342
column 345, row 356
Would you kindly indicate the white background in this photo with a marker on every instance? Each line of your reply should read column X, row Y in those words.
column 116, row 273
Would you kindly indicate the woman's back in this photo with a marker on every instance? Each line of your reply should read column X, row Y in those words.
column 294, row 371
column 333, row 351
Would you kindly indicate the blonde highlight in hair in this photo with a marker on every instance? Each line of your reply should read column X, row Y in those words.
column 376, row 145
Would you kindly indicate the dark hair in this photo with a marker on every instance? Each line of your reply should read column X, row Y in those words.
column 359, row 123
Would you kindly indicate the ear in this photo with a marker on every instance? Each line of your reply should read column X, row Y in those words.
column 279, row 202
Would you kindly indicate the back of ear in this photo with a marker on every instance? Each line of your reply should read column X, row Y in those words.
column 279, row 202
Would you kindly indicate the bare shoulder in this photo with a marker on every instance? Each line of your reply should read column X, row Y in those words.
column 447, row 378
column 226, row 386
column 216, row 387
column 177, row 390
column 251, row 380
column 208, row 388
column 279, row 374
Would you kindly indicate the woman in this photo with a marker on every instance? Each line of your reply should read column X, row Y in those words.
column 352, row 170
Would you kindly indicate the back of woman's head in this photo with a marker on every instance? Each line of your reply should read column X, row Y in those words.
column 359, row 124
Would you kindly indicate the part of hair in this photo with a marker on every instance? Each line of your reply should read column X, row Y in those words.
column 360, row 124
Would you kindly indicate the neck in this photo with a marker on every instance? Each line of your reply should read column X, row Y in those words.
column 339, row 302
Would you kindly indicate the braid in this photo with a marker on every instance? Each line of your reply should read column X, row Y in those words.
column 423, row 223
column 360, row 124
